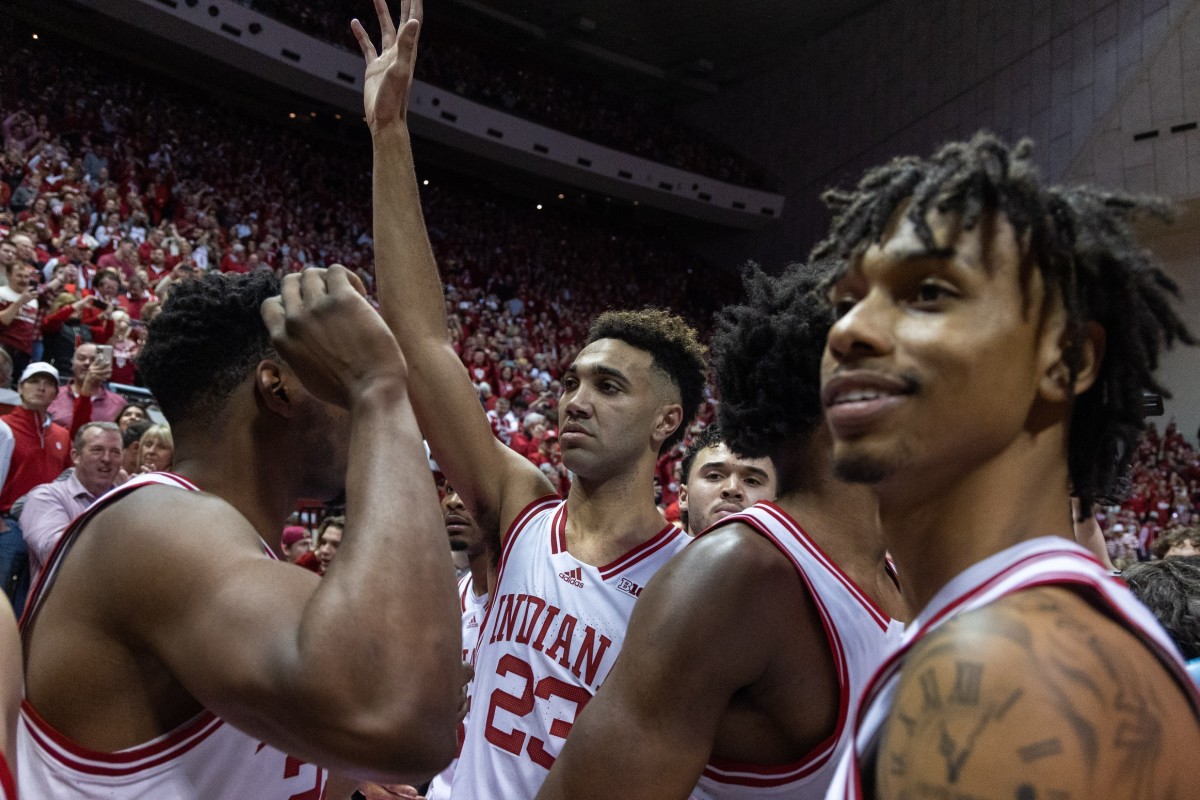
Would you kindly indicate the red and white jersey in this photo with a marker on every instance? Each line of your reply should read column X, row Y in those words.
column 1036, row 563
column 550, row 636
column 472, row 616
column 205, row 758
column 860, row 636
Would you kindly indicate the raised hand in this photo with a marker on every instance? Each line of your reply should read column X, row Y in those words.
column 389, row 75
column 330, row 335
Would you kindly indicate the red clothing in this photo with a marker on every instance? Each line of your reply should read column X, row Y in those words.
column 309, row 562
column 18, row 335
column 40, row 453
column 133, row 305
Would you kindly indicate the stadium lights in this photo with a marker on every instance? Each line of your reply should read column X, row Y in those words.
column 35, row 37
column 292, row 115
column 539, row 206
column 562, row 197
column 312, row 114
column 425, row 182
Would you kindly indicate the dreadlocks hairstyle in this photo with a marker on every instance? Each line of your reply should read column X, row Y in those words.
column 1081, row 241
column 767, row 358
column 709, row 437
column 671, row 342
column 208, row 339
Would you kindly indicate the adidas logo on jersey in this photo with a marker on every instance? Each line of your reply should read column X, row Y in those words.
column 629, row 587
column 573, row 577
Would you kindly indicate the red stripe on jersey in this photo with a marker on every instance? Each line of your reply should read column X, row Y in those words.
column 878, row 614
column 124, row 762
column 8, row 787
column 642, row 551
column 520, row 523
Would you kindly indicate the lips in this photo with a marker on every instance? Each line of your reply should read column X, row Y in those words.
column 725, row 509
column 854, row 401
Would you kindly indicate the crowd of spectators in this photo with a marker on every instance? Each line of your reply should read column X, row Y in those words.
column 1164, row 496
column 115, row 185
column 523, row 85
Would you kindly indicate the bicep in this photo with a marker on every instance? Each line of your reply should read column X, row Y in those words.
column 493, row 480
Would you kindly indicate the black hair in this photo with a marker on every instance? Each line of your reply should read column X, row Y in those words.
column 1171, row 590
column 207, row 339
column 133, row 433
column 1080, row 240
column 709, row 437
column 674, row 347
column 767, row 359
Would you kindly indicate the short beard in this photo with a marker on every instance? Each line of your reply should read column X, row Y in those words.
column 860, row 470
column 457, row 545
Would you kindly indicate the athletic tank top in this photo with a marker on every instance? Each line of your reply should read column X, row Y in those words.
column 205, row 758
column 1045, row 561
column 472, row 615
column 551, row 633
column 860, row 636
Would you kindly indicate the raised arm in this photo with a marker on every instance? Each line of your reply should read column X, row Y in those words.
column 494, row 481
column 358, row 671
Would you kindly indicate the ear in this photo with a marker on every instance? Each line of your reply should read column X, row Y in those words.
column 275, row 388
column 683, row 498
column 671, row 417
column 1057, row 385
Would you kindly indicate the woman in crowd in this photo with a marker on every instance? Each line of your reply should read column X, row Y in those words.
column 156, row 451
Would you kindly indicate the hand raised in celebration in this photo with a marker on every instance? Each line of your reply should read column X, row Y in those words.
column 389, row 74
column 331, row 336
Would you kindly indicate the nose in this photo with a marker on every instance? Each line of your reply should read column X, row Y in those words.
column 454, row 502
column 732, row 489
column 863, row 331
column 577, row 405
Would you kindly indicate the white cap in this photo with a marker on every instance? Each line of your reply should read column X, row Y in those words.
column 38, row 368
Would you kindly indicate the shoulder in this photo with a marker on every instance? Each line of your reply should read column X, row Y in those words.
column 731, row 572
column 1035, row 694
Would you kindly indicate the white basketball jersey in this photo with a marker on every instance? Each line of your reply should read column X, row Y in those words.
column 550, row 636
column 472, row 616
column 203, row 759
column 860, row 636
column 1045, row 561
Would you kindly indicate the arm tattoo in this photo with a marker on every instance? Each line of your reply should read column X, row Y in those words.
column 1092, row 714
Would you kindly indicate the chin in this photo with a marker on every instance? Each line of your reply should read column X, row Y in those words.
column 860, row 468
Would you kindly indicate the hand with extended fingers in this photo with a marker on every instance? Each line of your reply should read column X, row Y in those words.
column 389, row 74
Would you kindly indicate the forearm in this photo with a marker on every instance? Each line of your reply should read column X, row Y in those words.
column 385, row 618
column 409, row 287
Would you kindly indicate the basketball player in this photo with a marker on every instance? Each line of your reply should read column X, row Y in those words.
column 748, row 650
column 994, row 341
column 168, row 653
column 467, row 537
column 569, row 572
column 716, row 482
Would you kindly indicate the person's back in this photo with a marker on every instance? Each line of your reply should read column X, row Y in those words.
column 169, row 654
column 629, row 394
column 747, row 653
column 992, row 344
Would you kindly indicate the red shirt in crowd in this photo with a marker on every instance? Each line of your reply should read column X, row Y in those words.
column 41, row 451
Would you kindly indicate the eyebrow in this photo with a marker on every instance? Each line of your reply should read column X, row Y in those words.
column 600, row 369
column 733, row 464
column 925, row 253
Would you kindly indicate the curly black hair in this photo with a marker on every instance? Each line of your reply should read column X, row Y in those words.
column 208, row 339
column 766, row 355
column 1080, row 240
column 674, row 346
column 1171, row 590
column 711, row 436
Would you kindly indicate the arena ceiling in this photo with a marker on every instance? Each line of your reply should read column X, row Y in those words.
column 699, row 46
